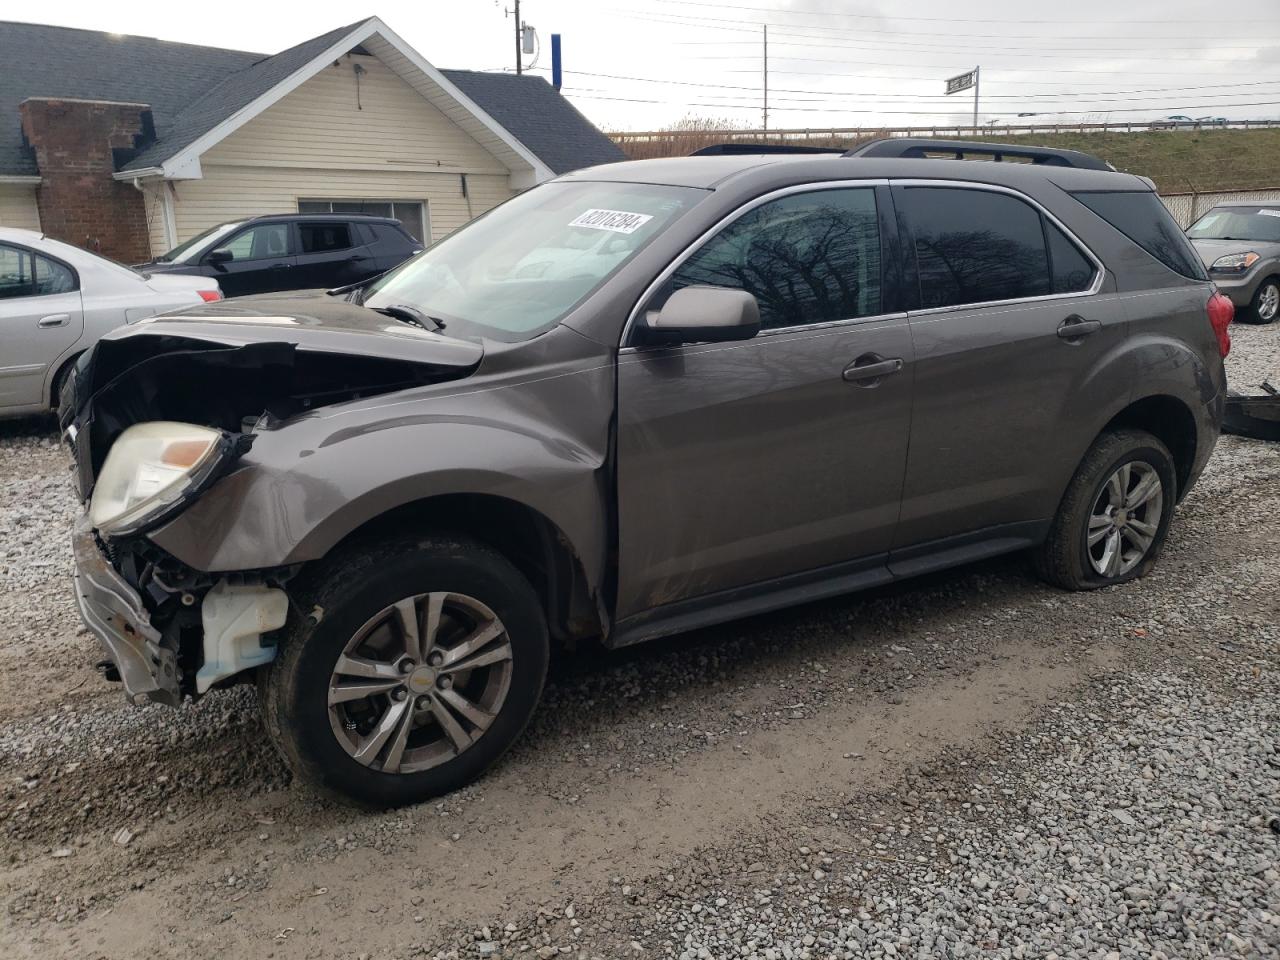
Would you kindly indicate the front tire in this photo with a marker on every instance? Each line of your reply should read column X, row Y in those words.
column 1114, row 517
column 1265, row 306
column 407, row 669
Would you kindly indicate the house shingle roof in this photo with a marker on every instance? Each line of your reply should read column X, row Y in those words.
column 191, row 89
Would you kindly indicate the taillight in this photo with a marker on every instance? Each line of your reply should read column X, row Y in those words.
column 1221, row 311
column 209, row 296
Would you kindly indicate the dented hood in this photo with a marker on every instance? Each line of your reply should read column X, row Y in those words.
column 246, row 364
column 310, row 321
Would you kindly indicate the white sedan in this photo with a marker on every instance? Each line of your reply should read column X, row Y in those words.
column 56, row 300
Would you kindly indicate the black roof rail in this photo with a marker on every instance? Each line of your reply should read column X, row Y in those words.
column 746, row 149
column 918, row 147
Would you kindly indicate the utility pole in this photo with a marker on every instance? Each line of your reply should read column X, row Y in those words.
column 519, row 66
column 766, row 77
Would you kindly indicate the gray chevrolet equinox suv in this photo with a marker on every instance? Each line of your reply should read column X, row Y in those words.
column 636, row 400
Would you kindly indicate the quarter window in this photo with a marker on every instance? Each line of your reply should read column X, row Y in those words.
column 975, row 246
column 806, row 258
column 1141, row 217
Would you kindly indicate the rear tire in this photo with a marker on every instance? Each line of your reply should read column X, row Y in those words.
column 1265, row 307
column 433, row 720
column 1101, row 535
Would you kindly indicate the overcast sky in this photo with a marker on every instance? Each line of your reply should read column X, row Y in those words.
column 645, row 64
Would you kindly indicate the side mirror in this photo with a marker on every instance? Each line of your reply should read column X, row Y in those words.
column 701, row 315
column 221, row 255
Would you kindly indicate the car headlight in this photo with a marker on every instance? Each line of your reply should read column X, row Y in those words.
column 148, row 469
column 1235, row 262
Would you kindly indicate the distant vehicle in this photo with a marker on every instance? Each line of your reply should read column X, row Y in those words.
column 1240, row 244
column 1211, row 121
column 56, row 300
column 299, row 251
column 639, row 399
column 1169, row 123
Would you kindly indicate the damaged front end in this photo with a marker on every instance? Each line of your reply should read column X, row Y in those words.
column 158, row 413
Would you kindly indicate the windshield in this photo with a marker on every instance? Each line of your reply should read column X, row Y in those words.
column 186, row 251
column 1238, row 223
column 520, row 268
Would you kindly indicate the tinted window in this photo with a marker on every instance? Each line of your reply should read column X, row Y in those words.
column 1141, row 217
column 15, row 273
column 260, row 243
column 975, row 246
column 807, row 258
column 1072, row 270
column 323, row 237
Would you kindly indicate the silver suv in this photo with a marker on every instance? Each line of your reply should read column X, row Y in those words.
column 636, row 400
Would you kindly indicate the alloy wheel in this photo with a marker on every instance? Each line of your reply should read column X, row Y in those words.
column 420, row 682
column 1268, row 302
column 1125, row 519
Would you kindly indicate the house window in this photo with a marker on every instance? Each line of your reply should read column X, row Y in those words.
column 413, row 215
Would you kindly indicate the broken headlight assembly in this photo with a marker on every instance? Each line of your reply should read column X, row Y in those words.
column 150, row 469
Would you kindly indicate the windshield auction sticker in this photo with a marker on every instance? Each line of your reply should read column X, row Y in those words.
column 615, row 221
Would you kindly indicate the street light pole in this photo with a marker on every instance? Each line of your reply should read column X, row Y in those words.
column 977, row 71
column 766, row 77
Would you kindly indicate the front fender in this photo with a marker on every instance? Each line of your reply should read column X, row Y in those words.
column 307, row 485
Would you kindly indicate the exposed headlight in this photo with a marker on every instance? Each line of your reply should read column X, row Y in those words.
column 148, row 469
column 1235, row 262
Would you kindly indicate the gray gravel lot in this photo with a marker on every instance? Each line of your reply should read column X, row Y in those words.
column 971, row 765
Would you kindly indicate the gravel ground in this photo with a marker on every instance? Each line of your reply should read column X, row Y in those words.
column 972, row 764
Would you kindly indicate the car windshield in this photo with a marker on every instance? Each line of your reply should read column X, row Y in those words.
column 519, row 269
column 1238, row 223
column 186, row 251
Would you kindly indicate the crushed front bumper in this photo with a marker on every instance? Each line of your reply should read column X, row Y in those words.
column 114, row 613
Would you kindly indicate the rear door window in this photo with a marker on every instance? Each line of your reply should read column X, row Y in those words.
column 15, row 273
column 323, row 237
column 975, row 246
column 1141, row 217
column 806, row 258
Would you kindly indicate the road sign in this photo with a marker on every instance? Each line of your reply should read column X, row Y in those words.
column 963, row 82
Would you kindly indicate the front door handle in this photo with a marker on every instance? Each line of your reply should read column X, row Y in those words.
column 1075, row 327
column 54, row 320
column 870, row 368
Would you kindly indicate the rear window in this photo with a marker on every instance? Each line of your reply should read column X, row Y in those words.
column 1141, row 217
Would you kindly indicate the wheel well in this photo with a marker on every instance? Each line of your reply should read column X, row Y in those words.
column 533, row 544
column 58, row 374
column 1170, row 420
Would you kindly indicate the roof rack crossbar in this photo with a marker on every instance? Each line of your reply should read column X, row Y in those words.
column 918, row 148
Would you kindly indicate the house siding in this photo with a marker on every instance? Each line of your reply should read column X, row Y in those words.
column 18, row 206
column 318, row 143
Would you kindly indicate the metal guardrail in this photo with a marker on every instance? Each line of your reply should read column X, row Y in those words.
column 981, row 132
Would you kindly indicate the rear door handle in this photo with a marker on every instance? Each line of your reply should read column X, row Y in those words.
column 869, row 368
column 1076, row 326
column 356, row 258
column 54, row 320
column 281, row 266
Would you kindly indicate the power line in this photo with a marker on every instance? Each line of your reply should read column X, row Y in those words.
column 702, row 22
column 925, row 113
column 911, row 96
column 791, row 11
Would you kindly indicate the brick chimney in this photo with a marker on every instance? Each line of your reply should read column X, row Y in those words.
column 75, row 144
